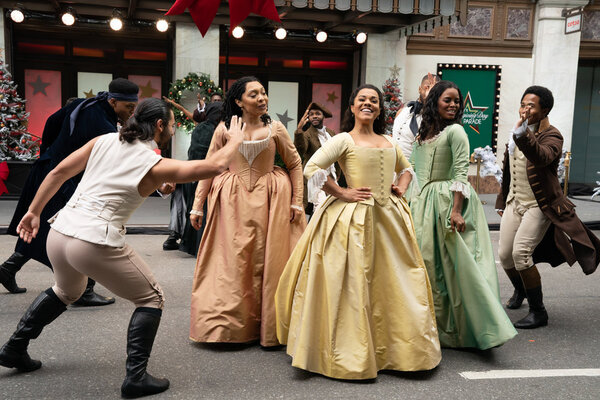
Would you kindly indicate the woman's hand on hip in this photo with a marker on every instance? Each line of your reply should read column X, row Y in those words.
column 351, row 195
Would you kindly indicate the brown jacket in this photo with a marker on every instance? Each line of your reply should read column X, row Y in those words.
column 307, row 143
column 543, row 150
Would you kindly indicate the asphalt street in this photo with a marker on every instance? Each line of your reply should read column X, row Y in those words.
column 83, row 351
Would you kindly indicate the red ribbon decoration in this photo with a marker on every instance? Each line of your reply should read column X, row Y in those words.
column 203, row 11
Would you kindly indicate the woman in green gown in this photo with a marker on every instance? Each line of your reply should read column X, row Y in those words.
column 452, row 230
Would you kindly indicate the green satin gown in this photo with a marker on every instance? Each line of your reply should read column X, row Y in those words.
column 461, row 266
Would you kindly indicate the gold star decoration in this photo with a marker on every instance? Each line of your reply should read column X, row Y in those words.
column 395, row 70
column 90, row 94
column 331, row 97
column 148, row 90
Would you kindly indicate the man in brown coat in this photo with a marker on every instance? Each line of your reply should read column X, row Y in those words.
column 308, row 138
column 538, row 223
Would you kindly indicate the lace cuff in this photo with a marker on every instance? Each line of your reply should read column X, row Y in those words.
column 315, row 184
column 295, row 207
column 464, row 188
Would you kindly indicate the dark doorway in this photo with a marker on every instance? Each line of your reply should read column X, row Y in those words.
column 585, row 144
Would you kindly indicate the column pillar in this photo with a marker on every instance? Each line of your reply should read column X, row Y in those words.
column 193, row 53
column 555, row 61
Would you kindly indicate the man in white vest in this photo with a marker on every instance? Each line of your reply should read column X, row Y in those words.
column 408, row 118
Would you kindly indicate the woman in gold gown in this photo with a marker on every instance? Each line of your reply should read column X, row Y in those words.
column 255, row 217
column 354, row 297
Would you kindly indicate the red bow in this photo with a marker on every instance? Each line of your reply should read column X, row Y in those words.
column 203, row 11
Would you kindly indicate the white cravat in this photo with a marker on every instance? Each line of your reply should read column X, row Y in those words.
column 324, row 136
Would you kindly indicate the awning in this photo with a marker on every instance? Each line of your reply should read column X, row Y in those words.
column 372, row 16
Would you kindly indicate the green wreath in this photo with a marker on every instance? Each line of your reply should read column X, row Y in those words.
column 191, row 82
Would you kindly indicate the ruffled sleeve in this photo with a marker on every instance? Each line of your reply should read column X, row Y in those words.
column 218, row 141
column 291, row 158
column 459, row 143
column 316, row 168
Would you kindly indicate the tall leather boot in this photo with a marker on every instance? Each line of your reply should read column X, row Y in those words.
column 44, row 309
column 537, row 312
column 9, row 269
column 140, row 338
column 89, row 298
column 519, row 294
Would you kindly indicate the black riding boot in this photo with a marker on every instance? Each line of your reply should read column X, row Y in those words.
column 89, row 298
column 9, row 269
column 537, row 312
column 140, row 338
column 171, row 242
column 44, row 309
column 519, row 294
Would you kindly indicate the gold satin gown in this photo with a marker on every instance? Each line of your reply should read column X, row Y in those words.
column 247, row 240
column 354, row 297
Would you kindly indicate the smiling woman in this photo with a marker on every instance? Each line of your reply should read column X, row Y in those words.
column 255, row 218
column 354, row 297
column 452, row 231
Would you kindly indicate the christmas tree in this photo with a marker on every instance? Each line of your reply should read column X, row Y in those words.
column 392, row 102
column 15, row 142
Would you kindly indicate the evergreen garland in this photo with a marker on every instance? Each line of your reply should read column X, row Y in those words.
column 194, row 83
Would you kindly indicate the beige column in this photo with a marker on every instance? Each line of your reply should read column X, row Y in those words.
column 193, row 53
column 555, row 57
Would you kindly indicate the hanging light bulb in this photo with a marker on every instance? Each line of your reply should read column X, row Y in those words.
column 162, row 25
column 68, row 17
column 116, row 23
column 281, row 33
column 360, row 37
column 321, row 36
column 17, row 15
column 238, row 32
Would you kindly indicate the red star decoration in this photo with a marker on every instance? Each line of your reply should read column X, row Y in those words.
column 203, row 11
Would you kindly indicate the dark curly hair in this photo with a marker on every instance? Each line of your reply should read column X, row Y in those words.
column 545, row 95
column 432, row 122
column 142, row 123
column 234, row 93
column 378, row 125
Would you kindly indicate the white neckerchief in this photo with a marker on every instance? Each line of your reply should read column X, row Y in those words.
column 324, row 136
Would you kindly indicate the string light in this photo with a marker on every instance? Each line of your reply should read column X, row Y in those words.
column 321, row 36
column 116, row 23
column 68, row 17
column 238, row 32
column 360, row 37
column 17, row 15
column 281, row 33
column 162, row 25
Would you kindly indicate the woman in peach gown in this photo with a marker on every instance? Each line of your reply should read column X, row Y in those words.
column 255, row 217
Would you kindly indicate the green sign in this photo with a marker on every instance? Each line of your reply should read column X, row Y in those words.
column 480, row 87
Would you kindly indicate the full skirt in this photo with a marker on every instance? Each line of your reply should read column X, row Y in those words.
column 354, row 297
column 246, row 243
column 462, row 270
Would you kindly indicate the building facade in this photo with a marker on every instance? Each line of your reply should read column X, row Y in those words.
column 525, row 39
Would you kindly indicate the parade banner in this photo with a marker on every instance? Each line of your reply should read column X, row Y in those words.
column 150, row 85
column 43, row 95
column 90, row 83
column 283, row 104
column 330, row 95
column 480, row 87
